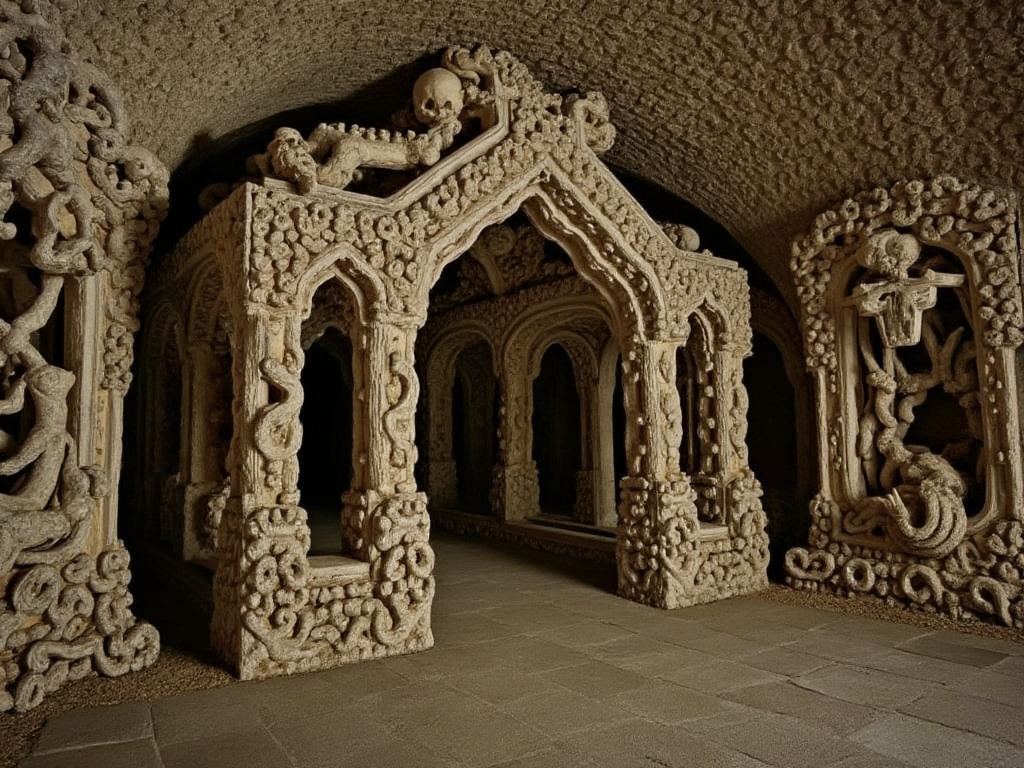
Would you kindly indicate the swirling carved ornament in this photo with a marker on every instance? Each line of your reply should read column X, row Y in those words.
column 77, row 200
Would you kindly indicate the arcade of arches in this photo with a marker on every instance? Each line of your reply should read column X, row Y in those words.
column 466, row 320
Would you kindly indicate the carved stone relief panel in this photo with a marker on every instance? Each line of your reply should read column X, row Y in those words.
column 80, row 207
column 912, row 323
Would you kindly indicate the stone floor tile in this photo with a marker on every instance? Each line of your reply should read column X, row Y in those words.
column 970, row 713
column 318, row 741
column 500, row 684
column 780, row 740
column 992, row 685
column 443, row 663
column 454, row 732
column 98, row 725
column 470, row 628
column 596, row 680
column 721, row 675
column 783, row 661
column 866, row 758
column 805, row 617
column 561, row 712
column 631, row 647
column 958, row 653
column 917, row 666
column 534, row 618
column 532, row 654
column 1012, row 666
column 363, row 678
column 584, row 633
column 252, row 749
column 548, row 758
column 995, row 644
column 837, row 716
column 930, row 745
column 837, row 647
column 140, row 753
column 864, row 686
column 664, row 663
column 640, row 743
column 875, row 630
column 175, row 720
column 720, row 644
column 764, row 632
column 670, row 704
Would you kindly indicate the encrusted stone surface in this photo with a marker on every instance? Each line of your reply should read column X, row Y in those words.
column 80, row 206
column 760, row 113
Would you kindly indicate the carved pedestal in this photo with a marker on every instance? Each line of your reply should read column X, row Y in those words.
column 658, row 553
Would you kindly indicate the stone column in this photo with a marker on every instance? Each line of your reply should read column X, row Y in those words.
column 203, row 478
column 442, row 479
column 264, row 539
column 588, row 477
column 657, row 552
column 516, row 490
column 385, row 515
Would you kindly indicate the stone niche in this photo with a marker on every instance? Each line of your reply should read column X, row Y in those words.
column 334, row 248
column 80, row 207
column 911, row 303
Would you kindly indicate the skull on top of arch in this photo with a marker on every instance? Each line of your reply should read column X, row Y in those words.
column 437, row 96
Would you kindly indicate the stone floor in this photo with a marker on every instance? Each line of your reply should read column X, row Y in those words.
column 537, row 664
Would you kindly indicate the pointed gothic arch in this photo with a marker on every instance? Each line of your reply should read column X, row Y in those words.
column 534, row 152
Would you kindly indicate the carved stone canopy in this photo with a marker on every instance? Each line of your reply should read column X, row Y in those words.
column 271, row 249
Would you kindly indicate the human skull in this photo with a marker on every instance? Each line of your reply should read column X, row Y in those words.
column 437, row 95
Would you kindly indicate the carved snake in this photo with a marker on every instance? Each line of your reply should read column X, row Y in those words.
column 278, row 432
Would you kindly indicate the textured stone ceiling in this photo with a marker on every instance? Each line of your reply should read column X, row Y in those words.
column 762, row 113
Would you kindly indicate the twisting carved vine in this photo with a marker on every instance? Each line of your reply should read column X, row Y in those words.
column 76, row 201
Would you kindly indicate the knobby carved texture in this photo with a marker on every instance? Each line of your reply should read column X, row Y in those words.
column 78, row 203
column 912, row 298
column 279, row 238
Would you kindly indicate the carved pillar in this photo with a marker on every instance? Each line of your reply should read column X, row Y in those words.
column 442, row 479
column 606, row 484
column 516, row 490
column 79, row 208
column 205, row 478
column 586, row 476
column 264, row 538
column 385, row 430
column 657, row 552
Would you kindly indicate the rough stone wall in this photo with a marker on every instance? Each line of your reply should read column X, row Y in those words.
column 760, row 113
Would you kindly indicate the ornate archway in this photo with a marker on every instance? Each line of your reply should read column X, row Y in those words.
column 277, row 239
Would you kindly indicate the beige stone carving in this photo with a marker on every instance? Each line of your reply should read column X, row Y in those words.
column 80, row 207
column 295, row 253
column 912, row 321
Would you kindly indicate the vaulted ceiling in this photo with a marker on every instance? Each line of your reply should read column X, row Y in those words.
column 761, row 112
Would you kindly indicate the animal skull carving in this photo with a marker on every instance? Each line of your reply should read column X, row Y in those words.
column 437, row 95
